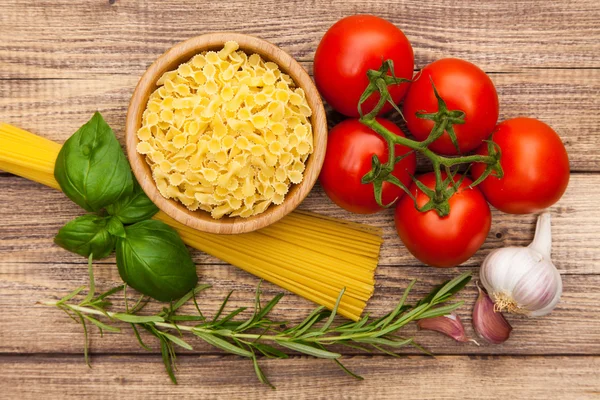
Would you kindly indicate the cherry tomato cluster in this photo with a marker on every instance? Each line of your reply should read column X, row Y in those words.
column 363, row 68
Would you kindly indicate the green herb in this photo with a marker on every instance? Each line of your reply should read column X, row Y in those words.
column 258, row 335
column 153, row 259
column 442, row 121
column 87, row 235
column 133, row 208
column 115, row 227
column 91, row 168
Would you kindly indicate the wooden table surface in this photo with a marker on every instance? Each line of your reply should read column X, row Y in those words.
column 61, row 60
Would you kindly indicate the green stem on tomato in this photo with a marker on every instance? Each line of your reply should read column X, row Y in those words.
column 422, row 146
column 444, row 121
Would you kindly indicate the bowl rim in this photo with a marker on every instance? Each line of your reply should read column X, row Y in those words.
column 182, row 52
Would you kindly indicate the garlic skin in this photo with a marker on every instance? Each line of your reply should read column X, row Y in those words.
column 523, row 280
column 489, row 323
column 450, row 325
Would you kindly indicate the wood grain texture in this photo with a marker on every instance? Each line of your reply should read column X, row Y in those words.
column 573, row 328
column 36, row 213
column 210, row 377
column 91, row 37
column 183, row 52
column 566, row 99
column 61, row 60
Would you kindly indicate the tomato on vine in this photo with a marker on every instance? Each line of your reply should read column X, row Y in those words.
column 462, row 86
column 350, row 149
column 535, row 165
column 443, row 241
column 350, row 48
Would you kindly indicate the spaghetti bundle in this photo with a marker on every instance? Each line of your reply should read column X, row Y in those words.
column 308, row 254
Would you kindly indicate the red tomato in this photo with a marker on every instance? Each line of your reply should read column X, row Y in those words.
column 535, row 165
column 463, row 86
column 350, row 147
column 350, row 48
column 444, row 241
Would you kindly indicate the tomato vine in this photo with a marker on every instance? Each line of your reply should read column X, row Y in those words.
column 444, row 120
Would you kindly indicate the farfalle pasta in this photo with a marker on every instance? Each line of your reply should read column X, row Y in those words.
column 226, row 133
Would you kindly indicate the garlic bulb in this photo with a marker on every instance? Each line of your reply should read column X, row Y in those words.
column 523, row 280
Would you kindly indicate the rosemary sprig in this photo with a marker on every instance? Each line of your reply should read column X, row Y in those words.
column 259, row 335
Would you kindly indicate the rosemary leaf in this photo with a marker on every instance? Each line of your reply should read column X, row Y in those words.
column 261, row 376
column 385, row 322
column 186, row 318
column 92, row 285
column 218, row 314
column 267, row 309
column 307, row 324
column 385, row 342
column 85, row 340
column 385, row 351
column 439, row 311
column 138, row 319
column 108, row 293
column 139, row 338
column 102, row 326
column 184, row 299
column 329, row 321
column 231, row 315
column 269, row 351
column 307, row 349
column 166, row 357
column 70, row 295
column 346, row 370
column 223, row 344
column 178, row 341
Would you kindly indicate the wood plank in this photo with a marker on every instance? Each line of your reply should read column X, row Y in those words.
column 67, row 39
column 573, row 327
column 300, row 378
column 36, row 213
column 57, row 108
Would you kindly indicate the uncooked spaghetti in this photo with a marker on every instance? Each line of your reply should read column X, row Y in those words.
column 308, row 254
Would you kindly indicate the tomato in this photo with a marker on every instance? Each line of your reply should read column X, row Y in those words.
column 463, row 86
column 535, row 165
column 350, row 48
column 444, row 241
column 350, row 147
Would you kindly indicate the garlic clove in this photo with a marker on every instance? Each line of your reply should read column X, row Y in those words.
column 540, row 290
column 489, row 323
column 449, row 325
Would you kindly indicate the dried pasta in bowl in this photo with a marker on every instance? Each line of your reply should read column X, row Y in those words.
column 227, row 133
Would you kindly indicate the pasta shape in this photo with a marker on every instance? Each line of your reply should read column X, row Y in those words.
column 226, row 133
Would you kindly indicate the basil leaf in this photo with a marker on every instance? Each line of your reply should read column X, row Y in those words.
column 133, row 208
column 153, row 259
column 115, row 227
column 91, row 167
column 86, row 235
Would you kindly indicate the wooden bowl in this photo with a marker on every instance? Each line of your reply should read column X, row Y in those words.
column 169, row 61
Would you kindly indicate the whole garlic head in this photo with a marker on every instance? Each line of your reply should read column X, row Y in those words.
column 523, row 280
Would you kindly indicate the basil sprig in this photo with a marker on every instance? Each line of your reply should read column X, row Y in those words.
column 92, row 170
column 133, row 208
